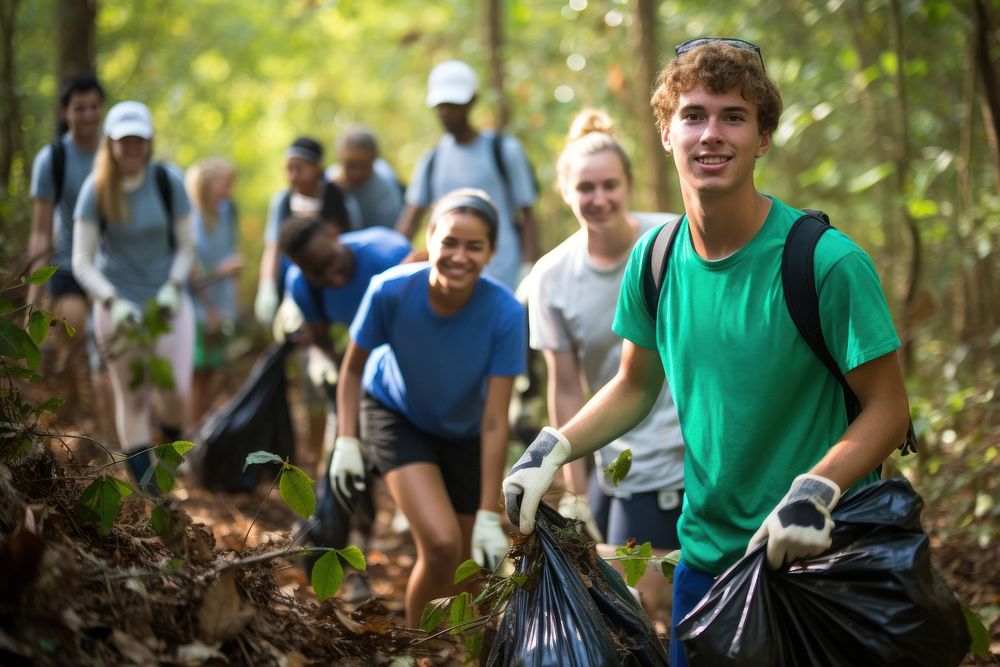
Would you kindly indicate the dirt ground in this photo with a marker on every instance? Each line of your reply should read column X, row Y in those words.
column 212, row 595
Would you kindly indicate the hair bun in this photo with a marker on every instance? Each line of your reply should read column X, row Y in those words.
column 590, row 120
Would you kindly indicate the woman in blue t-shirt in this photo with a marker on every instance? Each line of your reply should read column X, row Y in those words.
column 132, row 245
column 435, row 346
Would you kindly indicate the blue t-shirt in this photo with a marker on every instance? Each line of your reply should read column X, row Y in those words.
column 432, row 369
column 375, row 250
column 215, row 243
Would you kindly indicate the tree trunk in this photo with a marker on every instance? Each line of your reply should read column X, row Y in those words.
column 10, row 110
column 903, row 185
column 76, row 42
column 651, row 153
column 494, row 28
column 990, row 87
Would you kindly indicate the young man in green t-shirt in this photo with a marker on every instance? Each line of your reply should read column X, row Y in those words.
column 769, row 450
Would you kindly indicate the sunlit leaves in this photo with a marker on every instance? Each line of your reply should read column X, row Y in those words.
column 101, row 501
column 296, row 490
column 619, row 468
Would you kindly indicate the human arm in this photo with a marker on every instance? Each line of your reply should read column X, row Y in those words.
column 39, row 242
column 349, row 390
column 266, row 302
column 610, row 413
column 168, row 296
column 86, row 235
column 489, row 542
column 347, row 472
column 409, row 220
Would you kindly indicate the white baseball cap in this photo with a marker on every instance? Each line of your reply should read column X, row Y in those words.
column 451, row 82
column 129, row 119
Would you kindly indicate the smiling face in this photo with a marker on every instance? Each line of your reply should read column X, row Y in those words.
column 83, row 115
column 458, row 247
column 714, row 138
column 597, row 189
column 130, row 154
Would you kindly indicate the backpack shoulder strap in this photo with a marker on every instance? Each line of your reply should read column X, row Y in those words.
column 799, row 283
column 58, row 167
column 427, row 188
column 167, row 196
column 656, row 261
column 497, row 145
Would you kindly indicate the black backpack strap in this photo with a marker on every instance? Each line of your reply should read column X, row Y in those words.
column 798, row 281
column 58, row 168
column 167, row 196
column 656, row 259
column 498, row 160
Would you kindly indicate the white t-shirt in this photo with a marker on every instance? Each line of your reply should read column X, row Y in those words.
column 571, row 304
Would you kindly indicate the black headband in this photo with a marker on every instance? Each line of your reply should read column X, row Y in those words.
column 486, row 208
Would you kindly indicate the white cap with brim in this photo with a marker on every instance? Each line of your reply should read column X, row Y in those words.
column 129, row 119
column 451, row 82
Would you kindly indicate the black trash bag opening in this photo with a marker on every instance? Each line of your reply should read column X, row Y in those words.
column 872, row 599
column 256, row 418
column 573, row 609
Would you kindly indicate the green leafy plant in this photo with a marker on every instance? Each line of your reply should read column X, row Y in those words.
column 618, row 470
column 295, row 487
column 138, row 339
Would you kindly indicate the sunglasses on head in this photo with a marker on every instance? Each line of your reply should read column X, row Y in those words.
column 683, row 48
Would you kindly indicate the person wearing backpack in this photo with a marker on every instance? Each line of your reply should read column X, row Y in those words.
column 572, row 292
column 133, row 242
column 466, row 157
column 770, row 448
column 374, row 196
column 57, row 173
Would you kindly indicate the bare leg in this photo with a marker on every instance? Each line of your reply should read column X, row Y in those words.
column 440, row 537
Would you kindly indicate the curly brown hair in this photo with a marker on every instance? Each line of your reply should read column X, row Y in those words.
column 719, row 67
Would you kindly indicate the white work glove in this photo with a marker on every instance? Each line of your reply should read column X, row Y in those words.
column 575, row 508
column 489, row 542
column 266, row 302
column 531, row 476
column 287, row 320
column 124, row 312
column 169, row 299
column 320, row 368
column 799, row 526
column 347, row 471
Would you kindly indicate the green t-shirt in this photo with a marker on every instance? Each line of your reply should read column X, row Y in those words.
column 756, row 406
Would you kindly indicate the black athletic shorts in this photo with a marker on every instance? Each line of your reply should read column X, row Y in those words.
column 391, row 441
column 63, row 282
column 650, row 516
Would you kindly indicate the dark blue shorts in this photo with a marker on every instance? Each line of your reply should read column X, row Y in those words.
column 641, row 517
column 63, row 282
column 391, row 441
column 690, row 586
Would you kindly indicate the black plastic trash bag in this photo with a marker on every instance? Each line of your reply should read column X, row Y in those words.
column 255, row 418
column 572, row 614
column 872, row 599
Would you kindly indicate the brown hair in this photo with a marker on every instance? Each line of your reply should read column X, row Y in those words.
column 111, row 204
column 198, row 182
column 590, row 132
column 719, row 67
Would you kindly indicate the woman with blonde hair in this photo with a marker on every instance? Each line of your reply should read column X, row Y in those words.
column 572, row 295
column 132, row 244
column 209, row 184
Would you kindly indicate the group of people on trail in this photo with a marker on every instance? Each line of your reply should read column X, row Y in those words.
column 738, row 432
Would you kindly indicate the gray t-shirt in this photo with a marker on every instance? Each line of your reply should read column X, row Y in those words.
column 79, row 162
column 473, row 165
column 135, row 255
column 377, row 202
column 571, row 304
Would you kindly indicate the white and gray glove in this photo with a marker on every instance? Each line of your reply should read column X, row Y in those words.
column 266, row 301
column 124, row 312
column 489, row 542
column 347, row 471
column 575, row 508
column 799, row 526
column 321, row 369
column 288, row 319
column 531, row 476
column 169, row 299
